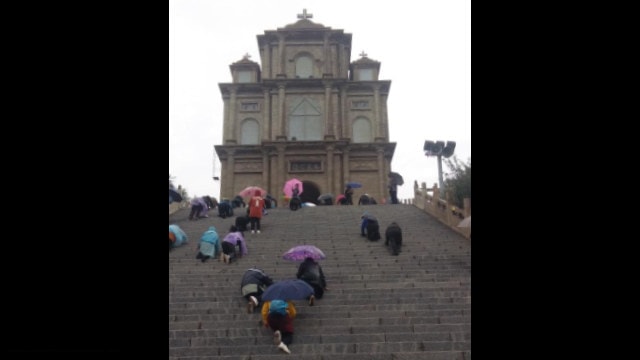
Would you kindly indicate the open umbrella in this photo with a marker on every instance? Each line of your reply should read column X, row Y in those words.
column 339, row 198
column 354, row 184
column 325, row 199
column 397, row 178
column 466, row 222
column 301, row 252
column 287, row 290
column 290, row 184
column 251, row 191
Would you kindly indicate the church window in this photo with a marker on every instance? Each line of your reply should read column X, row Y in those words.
column 244, row 76
column 250, row 132
column 366, row 74
column 305, row 122
column 362, row 131
column 304, row 67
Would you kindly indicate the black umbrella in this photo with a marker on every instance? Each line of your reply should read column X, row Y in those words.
column 325, row 199
column 397, row 178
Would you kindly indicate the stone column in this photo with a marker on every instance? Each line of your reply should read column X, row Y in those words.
column 225, row 120
column 329, row 170
column 381, row 172
column 343, row 121
column 266, row 68
column 281, row 120
column 282, row 170
column 231, row 123
column 265, row 169
column 467, row 207
column 345, row 168
column 281, row 55
column 378, row 131
column 229, row 175
column 266, row 118
column 328, row 119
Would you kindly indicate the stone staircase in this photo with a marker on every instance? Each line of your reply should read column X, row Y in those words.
column 413, row 306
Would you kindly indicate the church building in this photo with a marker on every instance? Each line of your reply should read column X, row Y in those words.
column 309, row 113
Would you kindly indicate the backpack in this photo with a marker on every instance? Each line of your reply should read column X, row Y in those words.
column 278, row 307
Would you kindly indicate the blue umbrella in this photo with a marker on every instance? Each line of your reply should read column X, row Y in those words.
column 288, row 290
column 354, row 185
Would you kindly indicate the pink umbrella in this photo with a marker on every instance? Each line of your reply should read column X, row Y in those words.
column 339, row 198
column 251, row 191
column 290, row 185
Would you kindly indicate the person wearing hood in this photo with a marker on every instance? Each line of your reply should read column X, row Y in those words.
column 311, row 272
column 256, row 206
column 365, row 199
column 209, row 246
column 348, row 194
column 279, row 315
column 230, row 243
column 254, row 282
column 369, row 226
column 177, row 236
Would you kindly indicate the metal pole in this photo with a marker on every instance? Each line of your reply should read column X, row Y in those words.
column 440, row 182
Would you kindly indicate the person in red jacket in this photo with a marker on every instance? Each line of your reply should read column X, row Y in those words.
column 256, row 206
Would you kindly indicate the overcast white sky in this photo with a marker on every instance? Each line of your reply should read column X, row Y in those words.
column 424, row 48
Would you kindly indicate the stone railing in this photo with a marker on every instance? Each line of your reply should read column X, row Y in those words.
column 175, row 206
column 428, row 199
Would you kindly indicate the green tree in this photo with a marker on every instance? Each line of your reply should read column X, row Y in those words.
column 458, row 181
column 182, row 191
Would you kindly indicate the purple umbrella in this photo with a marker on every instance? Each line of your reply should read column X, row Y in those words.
column 301, row 252
column 288, row 290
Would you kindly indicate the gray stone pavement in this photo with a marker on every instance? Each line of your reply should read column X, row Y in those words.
column 413, row 306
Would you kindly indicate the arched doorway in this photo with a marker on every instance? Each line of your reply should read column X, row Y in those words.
column 310, row 192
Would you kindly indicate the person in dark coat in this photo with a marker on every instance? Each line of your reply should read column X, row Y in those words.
column 348, row 194
column 270, row 202
column 369, row 227
column 393, row 237
column 237, row 202
column 311, row 272
column 242, row 222
column 254, row 282
column 365, row 199
column 224, row 209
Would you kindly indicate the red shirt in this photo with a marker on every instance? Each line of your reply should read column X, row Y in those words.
column 256, row 204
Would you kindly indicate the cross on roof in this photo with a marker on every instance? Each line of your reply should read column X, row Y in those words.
column 304, row 15
column 246, row 56
column 363, row 54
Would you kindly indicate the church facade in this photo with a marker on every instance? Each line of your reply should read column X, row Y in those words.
column 309, row 113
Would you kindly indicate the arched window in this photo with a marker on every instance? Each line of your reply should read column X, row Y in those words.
column 250, row 132
column 305, row 122
column 304, row 67
column 362, row 131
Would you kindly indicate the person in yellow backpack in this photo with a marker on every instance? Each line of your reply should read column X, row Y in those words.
column 279, row 315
